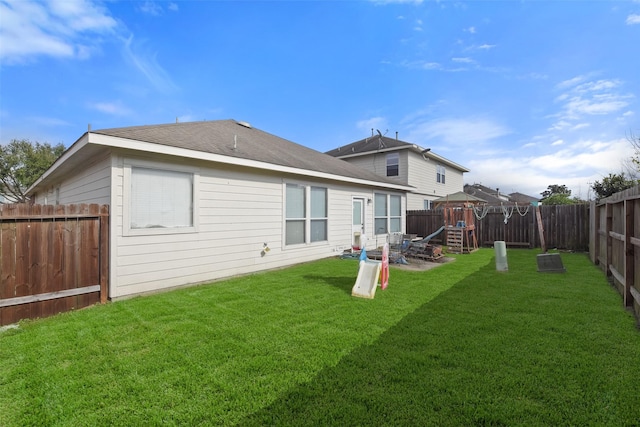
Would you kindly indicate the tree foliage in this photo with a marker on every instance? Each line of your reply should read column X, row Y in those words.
column 558, row 195
column 21, row 164
column 635, row 142
column 612, row 184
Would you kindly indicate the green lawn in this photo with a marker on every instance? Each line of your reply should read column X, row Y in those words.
column 461, row 344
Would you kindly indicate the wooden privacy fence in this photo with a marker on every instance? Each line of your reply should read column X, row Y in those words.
column 565, row 226
column 615, row 243
column 52, row 259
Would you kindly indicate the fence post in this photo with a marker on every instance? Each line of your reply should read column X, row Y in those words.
column 104, row 253
column 629, row 267
column 594, row 235
column 607, row 229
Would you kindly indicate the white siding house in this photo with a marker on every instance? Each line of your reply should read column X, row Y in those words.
column 195, row 202
column 429, row 175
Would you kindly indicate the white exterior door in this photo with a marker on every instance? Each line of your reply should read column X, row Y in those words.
column 357, row 227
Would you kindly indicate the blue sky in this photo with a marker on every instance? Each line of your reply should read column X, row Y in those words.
column 526, row 94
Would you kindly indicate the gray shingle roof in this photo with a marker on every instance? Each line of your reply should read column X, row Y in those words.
column 240, row 140
column 372, row 143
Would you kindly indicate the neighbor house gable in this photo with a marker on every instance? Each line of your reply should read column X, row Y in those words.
column 429, row 174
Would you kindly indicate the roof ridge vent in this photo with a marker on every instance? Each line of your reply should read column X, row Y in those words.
column 245, row 124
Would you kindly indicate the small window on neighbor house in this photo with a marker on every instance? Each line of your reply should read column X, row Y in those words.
column 161, row 199
column 393, row 164
column 426, row 205
column 440, row 172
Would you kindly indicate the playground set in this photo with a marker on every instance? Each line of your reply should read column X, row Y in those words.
column 460, row 236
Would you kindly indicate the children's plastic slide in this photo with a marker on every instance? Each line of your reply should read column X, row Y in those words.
column 367, row 280
column 368, row 275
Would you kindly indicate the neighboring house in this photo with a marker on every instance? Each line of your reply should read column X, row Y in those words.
column 431, row 176
column 494, row 197
column 194, row 202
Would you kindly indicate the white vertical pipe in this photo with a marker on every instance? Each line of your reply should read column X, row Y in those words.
column 501, row 255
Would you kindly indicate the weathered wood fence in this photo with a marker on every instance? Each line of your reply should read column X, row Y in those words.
column 565, row 226
column 52, row 259
column 615, row 243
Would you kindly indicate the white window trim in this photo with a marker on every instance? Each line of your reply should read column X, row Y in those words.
column 307, row 219
column 126, row 198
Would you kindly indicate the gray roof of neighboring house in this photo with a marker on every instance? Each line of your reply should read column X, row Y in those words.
column 372, row 143
column 377, row 143
column 519, row 197
column 241, row 140
column 458, row 197
column 494, row 196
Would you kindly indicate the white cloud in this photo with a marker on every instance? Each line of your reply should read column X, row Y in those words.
column 633, row 19
column 112, row 108
column 583, row 98
column 464, row 60
column 558, row 142
column 486, row 46
column 61, row 29
column 471, row 30
column 571, row 82
column 151, row 8
column 576, row 165
column 147, row 64
column 456, row 132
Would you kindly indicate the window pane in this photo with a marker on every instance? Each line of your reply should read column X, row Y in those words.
column 318, row 202
column 318, row 230
column 357, row 212
column 294, row 232
column 395, row 225
column 395, row 206
column 161, row 199
column 381, row 225
column 295, row 201
column 393, row 161
column 381, row 204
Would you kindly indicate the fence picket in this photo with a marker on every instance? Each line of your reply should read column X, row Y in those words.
column 52, row 259
column 565, row 227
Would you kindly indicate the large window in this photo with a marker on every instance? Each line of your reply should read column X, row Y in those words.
column 440, row 172
column 306, row 214
column 160, row 199
column 387, row 213
column 393, row 164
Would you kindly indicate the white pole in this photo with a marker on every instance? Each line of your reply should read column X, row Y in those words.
column 501, row 255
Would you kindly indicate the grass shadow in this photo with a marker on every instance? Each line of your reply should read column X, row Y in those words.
column 495, row 349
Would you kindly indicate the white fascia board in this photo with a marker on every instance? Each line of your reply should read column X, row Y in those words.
column 77, row 146
column 445, row 161
column 131, row 144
